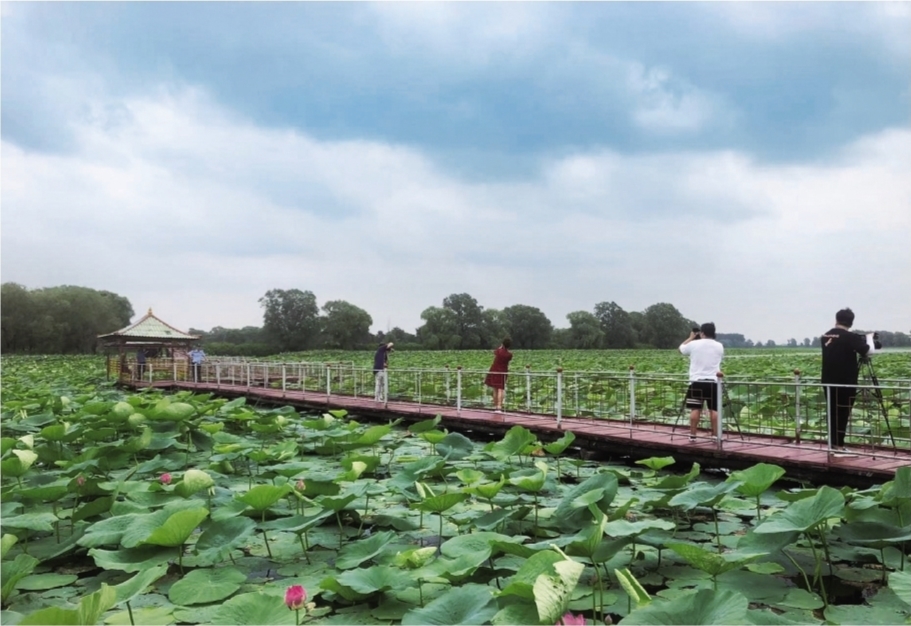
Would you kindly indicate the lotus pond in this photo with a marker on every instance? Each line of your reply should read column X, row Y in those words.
column 150, row 508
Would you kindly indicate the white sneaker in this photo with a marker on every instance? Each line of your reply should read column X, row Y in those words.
column 692, row 437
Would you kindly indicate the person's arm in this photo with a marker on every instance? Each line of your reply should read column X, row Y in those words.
column 683, row 346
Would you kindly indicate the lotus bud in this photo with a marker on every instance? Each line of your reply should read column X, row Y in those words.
column 295, row 597
column 165, row 479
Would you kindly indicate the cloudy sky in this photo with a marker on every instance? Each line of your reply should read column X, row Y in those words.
column 749, row 163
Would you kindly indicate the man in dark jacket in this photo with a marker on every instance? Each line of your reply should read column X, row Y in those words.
column 841, row 350
column 380, row 364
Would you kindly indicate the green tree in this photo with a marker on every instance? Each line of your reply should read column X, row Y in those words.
column 440, row 330
column 584, row 330
column 290, row 319
column 528, row 326
column 640, row 327
column 666, row 327
column 616, row 325
column 17, row 317
column 468, row 320
column 345, row 326
column 493, row 328
column 401, row 338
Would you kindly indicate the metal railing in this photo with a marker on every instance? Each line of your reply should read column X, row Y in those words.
column 791, row 410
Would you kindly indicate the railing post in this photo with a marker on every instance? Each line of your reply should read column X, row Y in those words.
column 797, row 406
column 284, row 379
column 328, row 381
column 632, row 394
column 826, row 389
column 218, row 374
column 419, row 378
column 151, row 377
column 459, row 388
column 386, row 388
column 576, row 383
column 528, row 388
column 174, row 370
column 720, row 427
column 448, row 390
column 300, row 377
column 559, row 395
column 248, row 373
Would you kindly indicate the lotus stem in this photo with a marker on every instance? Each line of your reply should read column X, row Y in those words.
column 130, row 611
column 806, row 580
column 300, row 538
column 758, row 510
column 717, row 535
column 266, row 539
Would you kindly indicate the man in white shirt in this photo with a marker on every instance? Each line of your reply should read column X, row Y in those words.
column 705, row 361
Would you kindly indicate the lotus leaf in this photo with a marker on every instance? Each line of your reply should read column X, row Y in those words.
column 806, row 513
column 88, row 612
column 353, row 554
column 553, row 592
column 261, row 497
column 43, row 582
column 633, row 588
column 561, row 444
column 423, row 426
column 455, row 446
column 253, row 608
column 657, row 462
column 177, row 528
column 194, row 480
column 703, row 607
column 468, row 604
column 374, row 579
column 131, row 588
column 202, row 586
column 512, row 443
column 11, row 572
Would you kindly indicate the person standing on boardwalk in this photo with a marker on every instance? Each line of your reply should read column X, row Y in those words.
column 841, row 350
column 197, row 356
column 705, row 355
column 496, row 377
column 380, row 365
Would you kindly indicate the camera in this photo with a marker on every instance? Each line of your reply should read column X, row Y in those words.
column 696, row 330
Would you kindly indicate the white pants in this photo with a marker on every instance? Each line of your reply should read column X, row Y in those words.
column 379, row 393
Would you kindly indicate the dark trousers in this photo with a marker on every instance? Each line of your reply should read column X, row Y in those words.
column 140, row 370
column 839, row 402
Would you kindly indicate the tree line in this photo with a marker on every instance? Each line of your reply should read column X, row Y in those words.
column 68, row 319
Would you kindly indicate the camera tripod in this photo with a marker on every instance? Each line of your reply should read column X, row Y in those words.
column 727, row 408
column 866, row 366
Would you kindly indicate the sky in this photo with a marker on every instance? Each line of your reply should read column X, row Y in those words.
column 750, row 163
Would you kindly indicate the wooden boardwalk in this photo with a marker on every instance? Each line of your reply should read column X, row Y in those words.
column 599, row 438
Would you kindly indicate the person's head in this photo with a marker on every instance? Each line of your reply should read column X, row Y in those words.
column 708, row 330
column 507, row 342
column 845, row 318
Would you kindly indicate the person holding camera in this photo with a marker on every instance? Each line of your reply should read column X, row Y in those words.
column 496, row 376
column 380, row 365
column 705, row 355
column 842, row 351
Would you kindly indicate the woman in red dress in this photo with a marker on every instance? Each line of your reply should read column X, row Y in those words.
column 496, row 377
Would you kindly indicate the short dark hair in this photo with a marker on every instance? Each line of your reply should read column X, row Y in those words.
column 708, row 329
column 507, row 342
column 845, row 317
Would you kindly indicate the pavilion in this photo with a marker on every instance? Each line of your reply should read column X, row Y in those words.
column 137, row 351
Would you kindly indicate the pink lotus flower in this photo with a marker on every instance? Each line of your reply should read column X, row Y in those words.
column 300, row 485
column 165, row 479
column 571, row 620
column 80, row 480
column 295, row 597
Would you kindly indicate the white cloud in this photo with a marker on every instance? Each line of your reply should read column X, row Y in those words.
column 189, row 209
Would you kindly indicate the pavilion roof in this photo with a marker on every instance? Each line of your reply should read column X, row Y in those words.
column 149, row 328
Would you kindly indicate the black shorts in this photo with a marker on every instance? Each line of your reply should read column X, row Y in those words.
column 702, row 391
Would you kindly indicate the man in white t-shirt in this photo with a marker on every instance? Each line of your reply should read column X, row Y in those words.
column 705, row 361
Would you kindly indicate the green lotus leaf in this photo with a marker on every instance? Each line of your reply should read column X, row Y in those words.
column 253, row 608
column 177, row 528
column 701, row 494
column 561, row 444
column 589, row 538
column 18, row 464
column 522, row 582
column 624, row 528
column 6, row 444
column 432, row 437
column 339, row 413
column 136, row 419
column 657, row 462
column 138, row 443
column 633, row 587
column 703, row 607
column 455, row 446
column 569, row 515
column 298, row 523
column 859, row 614
column 43, row 582
column 221, row 537
column 136, row 585
column 470, row 476
column 121, row 411
column 353, row 554
column 900, row 583
column 441, row 502
column 474, row 543
column 7, row 542
column 212, row 427
column 515, row 440
column 41, row 522
column 757, row 479
column 553, row 592
column 54, row 432
column 415, row 558
column 712, row 563
column 370, row 462
column 874, row 534
column 488, row 491
column 95, row 507
column 420, row 427
column 11, row 572
column 372, row 435
column 377, row 578
column 202, row 586
column 88, row 612
column 173, row 411
column 469, row 604
column 674, row 481
column 336, row 503
column 804, row 514
column 130, row 560
column 46, row 493
column 261, row 497
column 354, row 472
column 193, row 481
column 332, row 585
